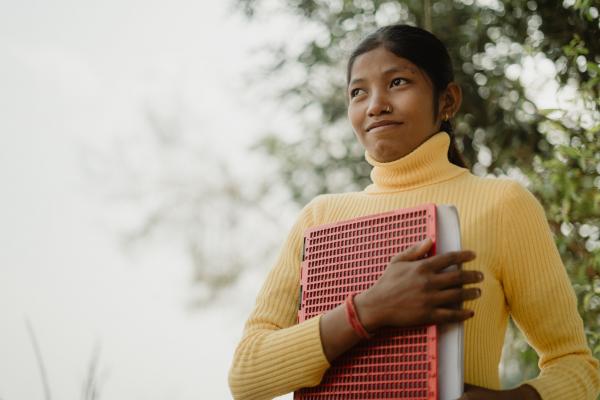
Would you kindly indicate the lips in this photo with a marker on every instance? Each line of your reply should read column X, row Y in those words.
column 381, row 125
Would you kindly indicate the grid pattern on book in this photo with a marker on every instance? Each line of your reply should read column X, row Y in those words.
column 348, row 257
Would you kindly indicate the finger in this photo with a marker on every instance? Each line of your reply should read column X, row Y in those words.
column 454, row 296
column 440, row 261
column 448, row 315
column 446, row 279
column 414, row 252
column 468, row 391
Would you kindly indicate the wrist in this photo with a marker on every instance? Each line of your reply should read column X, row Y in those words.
column 353, row 320
column 365, row 315
column 528, row 392
column 523, row 392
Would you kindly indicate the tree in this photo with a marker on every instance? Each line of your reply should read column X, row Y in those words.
column 499, row 129
column 496, row 127
column 178, row 191
column 568, row 182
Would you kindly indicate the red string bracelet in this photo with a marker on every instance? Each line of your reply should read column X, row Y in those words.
column 352, row 317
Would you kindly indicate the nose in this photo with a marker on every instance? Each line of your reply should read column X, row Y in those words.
column 379, row 104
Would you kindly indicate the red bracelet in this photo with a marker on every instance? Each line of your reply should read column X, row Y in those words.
column 352, row 316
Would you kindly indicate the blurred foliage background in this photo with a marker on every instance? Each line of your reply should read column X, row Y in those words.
column 500, row 129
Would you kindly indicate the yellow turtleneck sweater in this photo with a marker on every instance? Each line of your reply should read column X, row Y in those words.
column 524, row 277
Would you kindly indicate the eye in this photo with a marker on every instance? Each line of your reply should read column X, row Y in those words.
column 355, row 92
column 398, row 81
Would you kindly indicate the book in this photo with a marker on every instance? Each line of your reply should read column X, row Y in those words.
column 396, row 363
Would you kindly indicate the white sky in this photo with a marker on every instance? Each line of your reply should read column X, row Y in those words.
column 77, row 75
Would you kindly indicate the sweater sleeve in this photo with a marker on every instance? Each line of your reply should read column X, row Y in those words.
column 542, row 301
column 276, row 355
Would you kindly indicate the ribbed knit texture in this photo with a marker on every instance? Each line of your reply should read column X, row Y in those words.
column 524, row 277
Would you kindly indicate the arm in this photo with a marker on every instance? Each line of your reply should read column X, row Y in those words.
column 275, row 356
column 412, row 291
column 523, row 392
column 542, row 301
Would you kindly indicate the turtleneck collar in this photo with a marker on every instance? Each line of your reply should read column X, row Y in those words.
column 425, row 165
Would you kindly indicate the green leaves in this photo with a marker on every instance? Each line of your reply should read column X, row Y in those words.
column 573, row 202
column 557, row 149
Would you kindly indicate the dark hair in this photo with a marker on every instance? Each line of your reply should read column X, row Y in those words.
column 424, row 50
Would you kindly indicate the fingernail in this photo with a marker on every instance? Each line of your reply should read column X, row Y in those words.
column 480, row 276
column 426, row 240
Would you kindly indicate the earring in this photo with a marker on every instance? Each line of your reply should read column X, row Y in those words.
column 446, row 118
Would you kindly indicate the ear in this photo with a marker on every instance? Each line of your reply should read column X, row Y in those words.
column 450, row 100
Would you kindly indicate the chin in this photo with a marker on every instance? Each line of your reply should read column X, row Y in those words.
column 386, row 156
column 384, row 153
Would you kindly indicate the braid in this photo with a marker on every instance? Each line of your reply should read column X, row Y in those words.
column 446, row 127
column 454, row 155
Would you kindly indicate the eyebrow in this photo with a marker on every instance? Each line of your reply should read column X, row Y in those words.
column 386, row 72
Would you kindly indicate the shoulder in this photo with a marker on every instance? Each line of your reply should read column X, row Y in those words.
column 501, row 201
column 329, row 199
column 313, row 210
column 516, row 195
column 502, row 190
column 319, row 209
column 516, row 207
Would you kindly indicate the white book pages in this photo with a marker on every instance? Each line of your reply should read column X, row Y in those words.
column 450, row 339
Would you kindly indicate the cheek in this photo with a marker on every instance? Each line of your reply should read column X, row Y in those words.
column 357, row 122
column 355, row 118
column 417, row 104
column 408, row 99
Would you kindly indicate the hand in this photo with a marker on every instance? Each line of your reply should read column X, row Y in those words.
column 523, row 392
column 416, row 291
column 479, row 393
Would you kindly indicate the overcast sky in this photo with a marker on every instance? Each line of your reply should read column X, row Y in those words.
column 76, row 76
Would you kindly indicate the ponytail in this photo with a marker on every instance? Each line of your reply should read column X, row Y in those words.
column 454, row 155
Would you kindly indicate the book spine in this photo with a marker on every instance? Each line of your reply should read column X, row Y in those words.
column 300, row 316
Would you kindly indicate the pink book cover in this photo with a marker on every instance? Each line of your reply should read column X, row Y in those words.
column 349, row 256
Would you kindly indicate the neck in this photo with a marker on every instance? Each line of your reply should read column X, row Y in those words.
column 425, row 165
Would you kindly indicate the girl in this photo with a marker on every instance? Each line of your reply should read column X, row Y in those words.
column 401, row 98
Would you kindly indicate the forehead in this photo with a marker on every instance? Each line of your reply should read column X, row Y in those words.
column 381, row 61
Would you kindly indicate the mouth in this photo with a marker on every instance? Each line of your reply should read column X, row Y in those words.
column 382, row 125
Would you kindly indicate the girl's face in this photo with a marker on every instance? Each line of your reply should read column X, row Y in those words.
column 390, row 104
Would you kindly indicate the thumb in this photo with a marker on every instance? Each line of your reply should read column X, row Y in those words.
column 414, row 252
